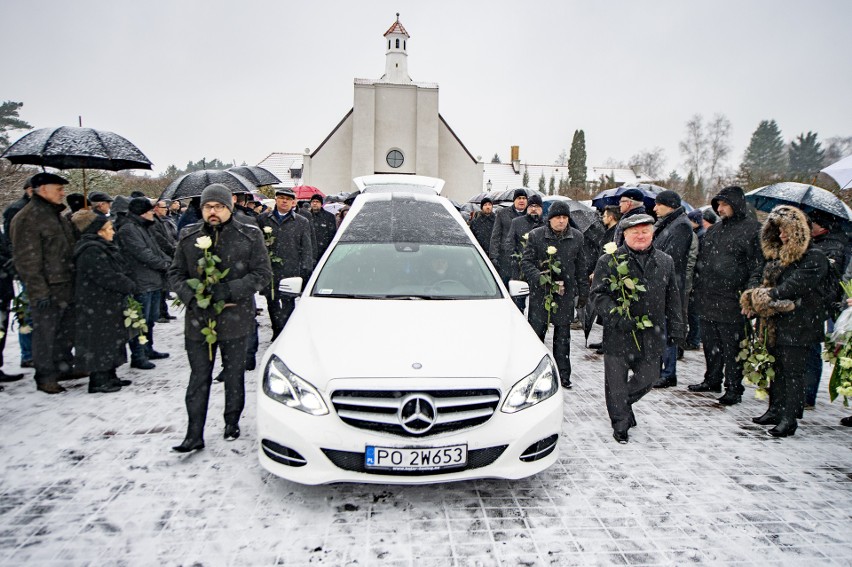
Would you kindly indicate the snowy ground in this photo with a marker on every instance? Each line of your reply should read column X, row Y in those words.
column 90, row 480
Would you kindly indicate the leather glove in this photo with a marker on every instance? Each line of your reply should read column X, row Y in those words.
column 625, row 324
column 221, row 292
column 43, row 303
column 581, row 303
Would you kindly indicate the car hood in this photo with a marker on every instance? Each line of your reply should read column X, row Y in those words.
column 328, row 338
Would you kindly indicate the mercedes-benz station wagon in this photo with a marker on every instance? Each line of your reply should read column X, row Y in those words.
column 405, row 360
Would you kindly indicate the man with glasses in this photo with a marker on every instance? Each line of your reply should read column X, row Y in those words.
column 630, row 203
column 242, row 253
column 292, row 254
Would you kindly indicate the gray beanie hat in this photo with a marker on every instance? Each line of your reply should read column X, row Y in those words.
column 217, row 193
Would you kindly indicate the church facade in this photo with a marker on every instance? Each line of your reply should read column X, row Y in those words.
column 394, row 126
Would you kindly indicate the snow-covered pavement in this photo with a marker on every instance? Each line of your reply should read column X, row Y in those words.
column 90, row 480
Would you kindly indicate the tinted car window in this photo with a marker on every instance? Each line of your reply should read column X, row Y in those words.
column 388, row 270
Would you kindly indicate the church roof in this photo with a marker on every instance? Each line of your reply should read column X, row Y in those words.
column 397, row 28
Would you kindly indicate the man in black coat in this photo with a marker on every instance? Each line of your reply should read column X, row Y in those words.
column 148, row 264
column 42, row 248
column 729, row 259
column 324, row 223
column 659, row 302
column 25, row 339
column 482, row 224
column 500, row 257
column 556, row 241
column 516, row 240
column 242, row 252
column 630, row 203
column 292, row 245
column 672, row 235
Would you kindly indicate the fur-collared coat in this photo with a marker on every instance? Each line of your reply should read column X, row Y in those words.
column 793, row 271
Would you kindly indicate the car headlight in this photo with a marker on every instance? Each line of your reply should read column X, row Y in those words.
column 533, row 388
column 282, row 385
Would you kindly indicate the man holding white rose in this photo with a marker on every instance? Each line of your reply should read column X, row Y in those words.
column 240, row 256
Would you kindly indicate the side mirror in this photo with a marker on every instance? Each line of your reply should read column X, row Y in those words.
column 518, row 288
column 290, row 286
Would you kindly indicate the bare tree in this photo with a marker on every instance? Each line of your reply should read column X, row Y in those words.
column 694, row 146
column 650, row 162
column 836, row 148
column 562, row 160
column 718, row 146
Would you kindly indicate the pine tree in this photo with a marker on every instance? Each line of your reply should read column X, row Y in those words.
column 551, row 187
column 806, row 157
column 765, row 159
column 9, row 120
column 541, row 182
column 577, row 160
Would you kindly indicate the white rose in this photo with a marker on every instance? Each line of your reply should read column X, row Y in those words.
column 526, row 236
column 551, row 250
column 267, row 229
column 610, row 248
column 203, row 242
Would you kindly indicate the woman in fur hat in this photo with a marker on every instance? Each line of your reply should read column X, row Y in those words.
column 102, row 283
column 791, row 311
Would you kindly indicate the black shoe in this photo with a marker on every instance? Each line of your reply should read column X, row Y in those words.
column 704, row 387
column 251, row 363
column 632, row 422
column 846, row 421
column 620, row 436
column 163, row 320
column 666, row 382
column 679, row 353
column 730, row 399
column 566, row 384
column 232, row 432
column 595, row 346
column 10, row 377
column 187, row 446
column 219, row 377
column 119, row 382
column 142, row 364
column 50, row 388
column 27, row 364
column 768, row 418
column 599, row 351
column 107, row 388
column 154, row 355
column 786, row 428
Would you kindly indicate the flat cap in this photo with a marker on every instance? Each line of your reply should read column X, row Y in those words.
column 636, row 220
column 286, row 191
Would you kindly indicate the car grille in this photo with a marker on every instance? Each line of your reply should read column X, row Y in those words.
column 378, row 410
column 476, row 459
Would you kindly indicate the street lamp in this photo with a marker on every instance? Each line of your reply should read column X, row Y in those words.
column 488, row 185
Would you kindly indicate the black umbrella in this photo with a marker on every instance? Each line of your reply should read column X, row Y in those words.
column 806, row 197
column 69, row 147
column 508, row 195
column 256, row 174
column 192, row 184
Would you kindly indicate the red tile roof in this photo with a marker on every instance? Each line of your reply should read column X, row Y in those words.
column 397, row 28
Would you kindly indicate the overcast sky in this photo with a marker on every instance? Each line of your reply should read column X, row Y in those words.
column 186, row 80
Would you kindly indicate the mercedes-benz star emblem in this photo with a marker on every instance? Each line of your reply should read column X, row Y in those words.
column 417, row 414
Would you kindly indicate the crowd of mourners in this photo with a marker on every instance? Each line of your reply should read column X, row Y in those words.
column 704, row 279
column 94, row 274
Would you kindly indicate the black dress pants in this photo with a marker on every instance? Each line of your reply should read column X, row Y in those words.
column 721, row 343
column 786, row 390
column 622, row 393
column 201, row 377
column 561, row 345
column 53, row 339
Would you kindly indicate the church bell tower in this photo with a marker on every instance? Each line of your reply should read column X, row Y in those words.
column 396, row 57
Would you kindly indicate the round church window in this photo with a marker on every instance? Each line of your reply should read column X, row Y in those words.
column 395, row 158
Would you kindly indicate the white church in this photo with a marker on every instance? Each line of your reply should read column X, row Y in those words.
column 395, row 126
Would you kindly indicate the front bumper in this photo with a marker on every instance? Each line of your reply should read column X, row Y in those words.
column 323, row 449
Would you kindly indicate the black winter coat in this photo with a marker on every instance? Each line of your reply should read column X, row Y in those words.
column 803, row 326
column 10, row 212
column 660, row 302
column 513, row 243
column 673, row 235
column 500, row 257
column 325, row 227
column 242, row 251
column 482, row 226
column 729, row 258
column 293, row 244
column 834, row 245
column 144, row 256
column 569, row 252
column 102, row 283
column 165, row 234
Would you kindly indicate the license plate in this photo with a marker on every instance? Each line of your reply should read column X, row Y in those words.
column 416, row 458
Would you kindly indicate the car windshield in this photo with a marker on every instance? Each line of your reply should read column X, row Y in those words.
column 405, row 270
